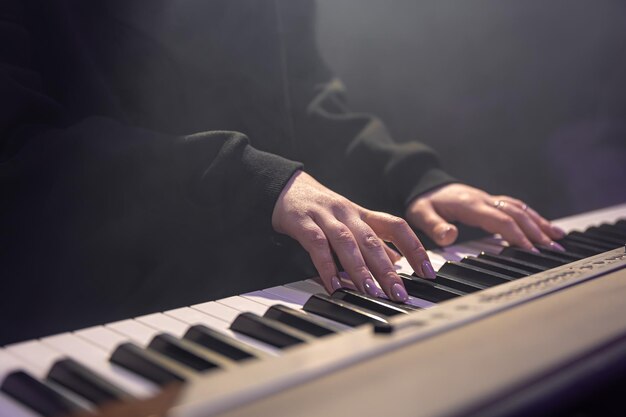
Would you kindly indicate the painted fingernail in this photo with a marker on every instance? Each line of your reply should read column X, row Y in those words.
column 371, row 288
column 428, row 270
column 398, row 293
column 534, row 249
column 558, row 232
column 335, row 283
column 556, row 246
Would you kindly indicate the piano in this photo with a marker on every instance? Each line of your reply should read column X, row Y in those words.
column 501, row 332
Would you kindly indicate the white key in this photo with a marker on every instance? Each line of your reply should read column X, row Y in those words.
column 291, row 294
column 97, row 359
column 10, row 407
column 220, row 311
column 11, row 363
column 269, row 299
column 35, row 353
column 244, row 305
column 102, row 337
column 191, row 317
column 134, row 330
column 164, row 323
column 307, row 286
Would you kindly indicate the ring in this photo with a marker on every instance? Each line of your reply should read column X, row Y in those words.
column 499, row 204
column 525, row 207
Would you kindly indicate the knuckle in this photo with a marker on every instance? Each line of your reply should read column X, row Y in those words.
column 371, row 241
column 397, row 223
column 361, row 271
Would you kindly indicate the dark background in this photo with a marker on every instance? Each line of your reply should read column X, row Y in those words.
column 526, row 98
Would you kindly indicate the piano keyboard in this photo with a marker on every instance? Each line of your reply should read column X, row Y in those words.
column 135, row 358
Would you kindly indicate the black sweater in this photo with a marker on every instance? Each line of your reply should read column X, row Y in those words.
column 125, row 185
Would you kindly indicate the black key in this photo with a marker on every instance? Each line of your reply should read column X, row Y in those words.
column 579, row 248
column 428, row 290
column 37, row 395
column 495, row 267
column 578, row 237
column 474, row 274
column 604, row 237
column 299, row 320
column 169, row 346
column 218, row 342
column 621, row 224
column 374, row 304
column 566, row 257
column 81, row 380
column 528, row 256
column 516, row 263
column 340, row 311
column 615, row 230
column 267, row 330
column 459, row 284
column 139, row 361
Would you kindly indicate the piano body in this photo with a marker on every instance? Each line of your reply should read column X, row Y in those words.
column 502, row 332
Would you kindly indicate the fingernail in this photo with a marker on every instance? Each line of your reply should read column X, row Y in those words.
column 428, row 270
column 558, row 231
column 556, row 246
column 335, row 283
column 398, row 293
column 534, row 249
column 443, row 232
column 371, row 288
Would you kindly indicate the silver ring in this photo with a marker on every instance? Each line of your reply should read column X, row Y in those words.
column 525, row 207
column 499, row 204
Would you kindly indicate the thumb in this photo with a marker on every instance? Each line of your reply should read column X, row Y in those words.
column 436, row 227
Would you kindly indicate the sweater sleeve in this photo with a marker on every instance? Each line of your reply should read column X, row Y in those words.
column 351, row 152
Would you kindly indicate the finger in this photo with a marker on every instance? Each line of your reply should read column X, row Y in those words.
column 397, row 230
column 528, row 225
column 372, row 249
column 315, row 242
column 345, row 246
column 436, row 227
column 392, row 254
column 554, row 232
column 495, row 221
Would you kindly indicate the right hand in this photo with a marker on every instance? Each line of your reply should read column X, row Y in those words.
column 323, row 222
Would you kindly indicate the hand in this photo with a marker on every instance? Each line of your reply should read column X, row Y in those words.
column 322, row 221
column 516, row 222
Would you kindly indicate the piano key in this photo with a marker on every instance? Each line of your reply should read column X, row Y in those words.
column 97, row 359
column 243, row 305
column 268, row 331
column 532, row 257
column 613, row 229
column 13, row 408
column 38, row 396
column 340, row 311
column 169, row 346
column 134, row 330
column 102, row 337
column 495, row 267
column 269, row 299
column 163, row 323
column 217, row 310
column 10, row 363
column 459, row 284
column 374, row 304
column 474, row 274
column 566, row 256
column 85, row 383
column 219, row 342
column 516, row 263
column 291, row 294
column 428, row 290
column 145, row 364
column 579, row 248
column 587, row 240
column 606, row 237
column 299, row 320
column 307, row 285
column 36, row 354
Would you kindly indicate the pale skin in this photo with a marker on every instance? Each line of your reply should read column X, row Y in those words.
column 324, row 222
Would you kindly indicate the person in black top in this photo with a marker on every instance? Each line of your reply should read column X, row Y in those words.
column 126, row 187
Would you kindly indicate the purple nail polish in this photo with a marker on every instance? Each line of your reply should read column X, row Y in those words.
column 558, row 232
column 428, row 270
column 398, row 293
column 335, row 283
column 556, row 246
column 371, row 288
column 534, row 249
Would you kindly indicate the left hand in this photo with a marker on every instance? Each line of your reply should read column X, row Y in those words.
column 517, row 223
